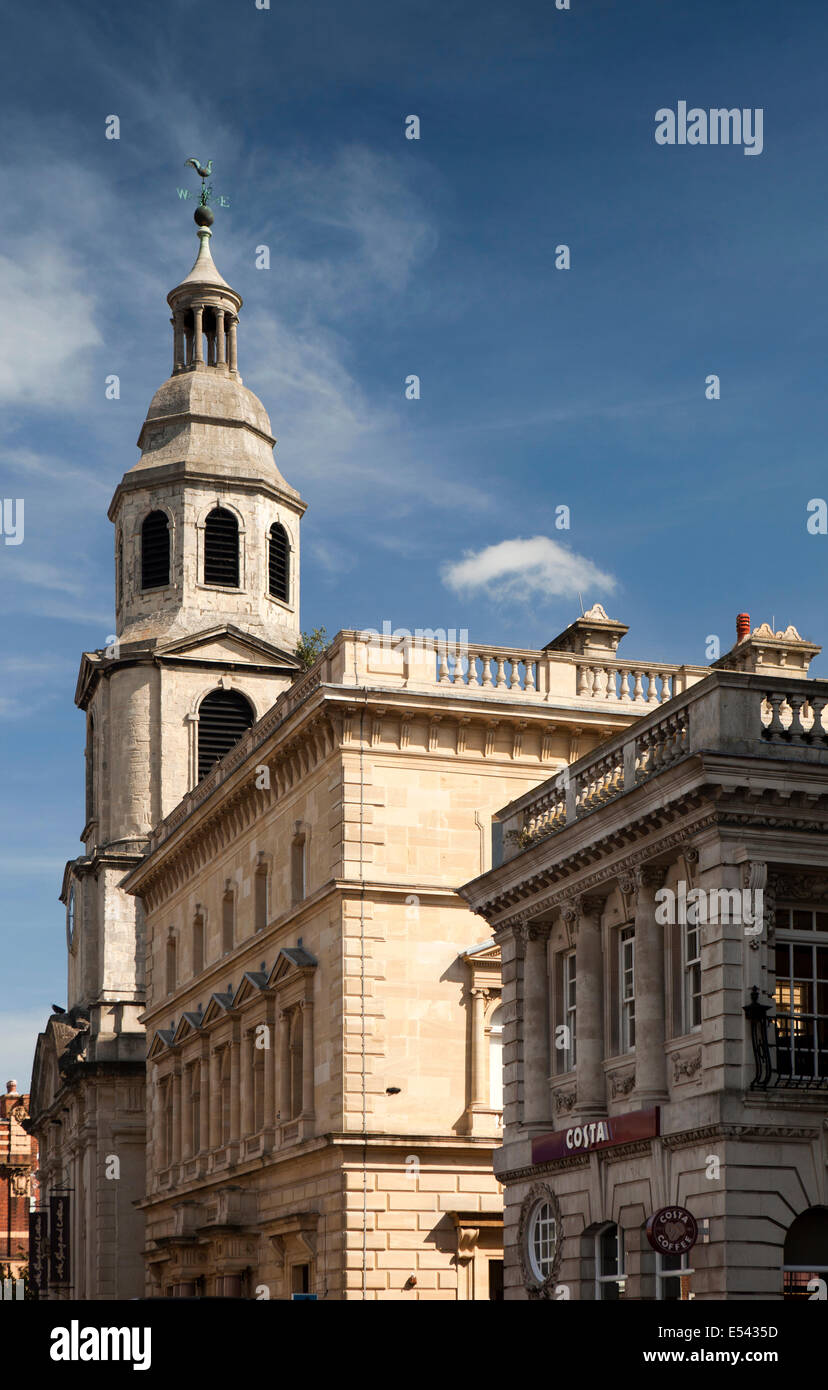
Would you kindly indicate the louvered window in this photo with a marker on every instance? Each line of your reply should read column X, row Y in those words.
column 278, row 559
column 223, row 716
column 155, row 551
column 221, row 549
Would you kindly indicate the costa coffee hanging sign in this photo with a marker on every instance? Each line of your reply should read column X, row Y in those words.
column 672, row 1231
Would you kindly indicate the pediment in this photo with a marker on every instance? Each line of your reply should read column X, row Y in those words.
column 253, row 982
column 219, row 1007
column 189, row 1024
column 224, row 644
column 291, row 960
column 162, row 1041
column 485, row 954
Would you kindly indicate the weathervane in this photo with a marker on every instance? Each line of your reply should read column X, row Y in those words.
column 204, row 171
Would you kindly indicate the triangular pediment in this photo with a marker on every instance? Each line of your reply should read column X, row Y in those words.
column 290, row 961
column 227, row 643
column 253, row 982
column 162, row 1041
column 188, row 1025
column 219, row 1006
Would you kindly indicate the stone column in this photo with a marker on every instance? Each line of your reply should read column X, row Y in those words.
column 247, row 1061
column 478, row 1096
column 215, row 1099
column 177, row 321
column 176, row 1115
column 205, row 1106
column 158, row 1121
column 307, row 1057
column 284, row 1066
column 591, row 1099
column 220, row 359
column 535, row 1025
column 650, row 1058
column 187, row 1126
column 270, row 1074
column 198, row 340
column 232, row 335
column 235, row 1091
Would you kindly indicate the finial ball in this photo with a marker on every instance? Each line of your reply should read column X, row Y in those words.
column 203, row 217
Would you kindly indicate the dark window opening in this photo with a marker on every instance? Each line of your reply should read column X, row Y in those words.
column 120, row 568
column 155, row 551
column 221, row 549
column 223, row 717
column 278, row 563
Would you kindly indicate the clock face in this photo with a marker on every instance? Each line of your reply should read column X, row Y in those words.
column 70, row 920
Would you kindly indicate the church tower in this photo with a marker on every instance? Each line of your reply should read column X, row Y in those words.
column 207, row 624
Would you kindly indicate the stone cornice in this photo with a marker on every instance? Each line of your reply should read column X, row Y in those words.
column 292, row 740
column 735, row 807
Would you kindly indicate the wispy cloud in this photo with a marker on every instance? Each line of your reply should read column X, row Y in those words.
column 521, row 570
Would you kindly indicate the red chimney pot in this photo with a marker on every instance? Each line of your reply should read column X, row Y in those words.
column 742, row 626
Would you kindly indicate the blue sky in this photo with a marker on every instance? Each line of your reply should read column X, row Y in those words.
column 539, row 387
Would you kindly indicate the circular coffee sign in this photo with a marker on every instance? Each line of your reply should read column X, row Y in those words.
column 672, row 1231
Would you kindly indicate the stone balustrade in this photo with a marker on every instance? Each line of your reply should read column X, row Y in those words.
column 733, row 712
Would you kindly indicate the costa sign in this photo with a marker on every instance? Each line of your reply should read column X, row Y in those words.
column 596, row 1134
column 672, row 1231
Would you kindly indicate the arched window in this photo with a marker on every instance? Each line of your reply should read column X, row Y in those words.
column 261, row 894
column 171, row 964
column 279, row 563
column 198, row 943
column 155, row 551
column 542, row 1239
column 298, row 869
column 805, row 1265
column 223, row 716
column 119, row 565
column 221, row 549
column 228, row 921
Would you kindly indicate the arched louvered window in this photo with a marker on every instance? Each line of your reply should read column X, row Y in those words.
column 155, row 551
column 223, row 716
column 279, row 563
column 221, row 549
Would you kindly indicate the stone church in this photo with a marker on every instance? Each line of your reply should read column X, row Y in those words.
column 278, row 1070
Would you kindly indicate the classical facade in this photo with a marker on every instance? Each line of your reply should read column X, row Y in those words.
column 207, row 588
column 663, row 924
column 324, row 1024
column 268, row 889
column 18, row 1161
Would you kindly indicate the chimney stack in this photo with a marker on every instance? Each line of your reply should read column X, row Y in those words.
column 742, row 627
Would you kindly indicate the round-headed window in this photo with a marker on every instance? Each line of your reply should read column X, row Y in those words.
column 542, row 1238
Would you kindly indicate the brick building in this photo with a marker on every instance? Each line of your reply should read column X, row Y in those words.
column 18, row 1161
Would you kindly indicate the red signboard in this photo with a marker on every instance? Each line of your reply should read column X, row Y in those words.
column 596, row 1134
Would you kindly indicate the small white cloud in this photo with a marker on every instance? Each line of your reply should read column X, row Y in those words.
column 522, row 569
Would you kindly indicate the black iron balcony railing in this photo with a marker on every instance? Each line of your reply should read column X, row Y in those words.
column 786, row 1049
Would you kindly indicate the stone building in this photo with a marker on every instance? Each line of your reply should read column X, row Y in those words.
column 663, row 925
column 18, row 1161
column 207, row 587
column 322, row 1009
column 323, row 1016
